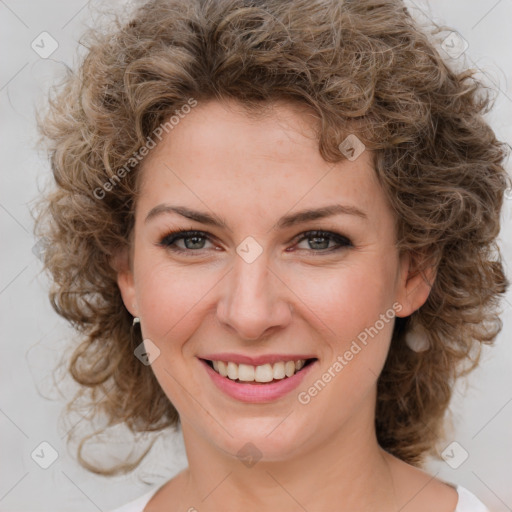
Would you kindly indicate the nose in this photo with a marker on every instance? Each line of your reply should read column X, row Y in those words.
column 255, row 300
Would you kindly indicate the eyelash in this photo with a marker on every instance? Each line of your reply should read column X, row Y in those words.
column 172, row 236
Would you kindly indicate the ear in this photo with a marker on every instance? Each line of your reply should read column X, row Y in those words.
column 414, row 285
column 122, row 265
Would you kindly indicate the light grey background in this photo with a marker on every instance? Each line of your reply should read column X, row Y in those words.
column 34, row 337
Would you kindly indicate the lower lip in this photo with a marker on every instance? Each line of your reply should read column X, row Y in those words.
column 257, row 393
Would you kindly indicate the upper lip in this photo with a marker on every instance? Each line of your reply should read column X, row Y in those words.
column 256, row 361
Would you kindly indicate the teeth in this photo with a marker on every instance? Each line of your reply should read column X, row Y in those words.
column 223, row 369
column 245, row 372
column 289, row 368
column 279, row 372
column 263, row 373
column 232, row 371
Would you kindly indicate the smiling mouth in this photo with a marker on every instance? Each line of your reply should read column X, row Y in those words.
column 263, row 374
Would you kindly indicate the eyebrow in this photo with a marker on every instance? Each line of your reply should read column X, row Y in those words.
column 285, row 221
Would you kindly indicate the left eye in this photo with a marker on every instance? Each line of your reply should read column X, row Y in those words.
column 194, row 241
column 321, row 239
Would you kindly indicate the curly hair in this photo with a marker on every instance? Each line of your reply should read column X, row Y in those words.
column 361, row 67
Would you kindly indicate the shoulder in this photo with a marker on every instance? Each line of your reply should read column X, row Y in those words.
column 468, row 502
column 418, row 491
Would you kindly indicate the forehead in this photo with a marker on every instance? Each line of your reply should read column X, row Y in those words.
column 277, row 132
column 220, row 152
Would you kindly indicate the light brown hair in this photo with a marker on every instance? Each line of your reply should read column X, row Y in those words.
column 362, row 67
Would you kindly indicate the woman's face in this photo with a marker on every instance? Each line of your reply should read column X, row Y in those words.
column 261, row 289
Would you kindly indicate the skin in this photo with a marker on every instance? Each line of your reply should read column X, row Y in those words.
column 294, row 298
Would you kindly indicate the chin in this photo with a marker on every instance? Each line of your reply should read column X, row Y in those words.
column 265, row 439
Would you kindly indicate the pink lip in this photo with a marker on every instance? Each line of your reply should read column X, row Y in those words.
column 252, row 392
column 256, row 361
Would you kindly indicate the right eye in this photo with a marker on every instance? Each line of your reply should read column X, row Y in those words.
column 193, row 241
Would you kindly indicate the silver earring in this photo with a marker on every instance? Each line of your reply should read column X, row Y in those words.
column 136, row 320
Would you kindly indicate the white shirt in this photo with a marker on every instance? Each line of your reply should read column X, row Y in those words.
column 468, row 502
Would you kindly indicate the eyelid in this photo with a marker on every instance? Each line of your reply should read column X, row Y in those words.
column 174, row 235
column 310, row 233
column 180, row 234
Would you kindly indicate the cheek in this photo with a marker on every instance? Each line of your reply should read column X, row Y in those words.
column 351, row 315
column 342, row 302
column 170, row 298
column 337, row 302
column 353, row 322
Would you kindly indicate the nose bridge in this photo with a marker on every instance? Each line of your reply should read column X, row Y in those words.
column 253, row 301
